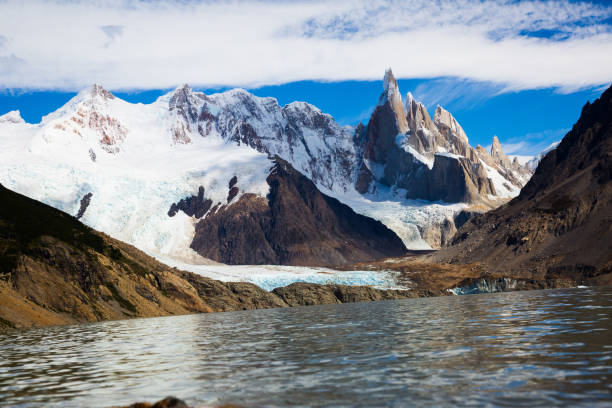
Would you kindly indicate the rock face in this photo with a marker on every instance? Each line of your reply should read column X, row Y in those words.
column 302, row 293
column 294, row 225
column 168, row 402
column 430, row 159
column 560, row 225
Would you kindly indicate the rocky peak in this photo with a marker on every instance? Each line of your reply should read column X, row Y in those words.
column 393, row 99
column 496, row 149
column 498, row 154
column 585, row 149
column 448, row 125
column 186, row 102
column 295, row 224
column 12, row 117
column 417, row 115
column 97, row 91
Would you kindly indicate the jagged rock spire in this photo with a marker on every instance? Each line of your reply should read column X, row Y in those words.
column 496, row 149
column 498, row 154
column 444, row 119
column 417, row 115
column 389, row 82
column 393, row 98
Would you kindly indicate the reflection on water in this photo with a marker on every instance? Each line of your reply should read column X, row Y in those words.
column 540, row 348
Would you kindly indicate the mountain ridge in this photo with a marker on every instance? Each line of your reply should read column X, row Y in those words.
column 560, row 223
column 134, row 161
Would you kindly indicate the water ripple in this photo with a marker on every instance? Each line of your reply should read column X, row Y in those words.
column 540, row 348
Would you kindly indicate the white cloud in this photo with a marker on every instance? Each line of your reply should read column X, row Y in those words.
column 159, row 44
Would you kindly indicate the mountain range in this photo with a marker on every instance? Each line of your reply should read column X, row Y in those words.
column 170, row 177
column 56, row 270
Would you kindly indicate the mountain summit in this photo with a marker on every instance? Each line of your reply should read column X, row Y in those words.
column 429, row 159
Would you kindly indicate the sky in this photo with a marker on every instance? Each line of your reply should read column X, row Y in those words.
column 521, row 70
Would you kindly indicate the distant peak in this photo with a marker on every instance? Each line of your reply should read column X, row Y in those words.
column 183, row 89
column 12, row 117
column 496, row 148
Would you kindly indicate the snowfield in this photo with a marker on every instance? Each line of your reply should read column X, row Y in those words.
column 402, row 216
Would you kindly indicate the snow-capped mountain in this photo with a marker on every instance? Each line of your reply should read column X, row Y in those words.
column 533, row 163
column 403, row 148
column 145, row 173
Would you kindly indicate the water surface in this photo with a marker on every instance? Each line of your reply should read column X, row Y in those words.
column 538, row 348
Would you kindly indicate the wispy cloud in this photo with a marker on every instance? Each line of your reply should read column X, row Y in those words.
column 460, row 92
column 70, row 44
column 532, row 143
column 112, row 32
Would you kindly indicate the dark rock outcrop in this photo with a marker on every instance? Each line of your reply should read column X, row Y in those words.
column 560, row 226
column 84, row 204
column 194, row 206
column 490, row 284
column 294, row 225
column 168, row 402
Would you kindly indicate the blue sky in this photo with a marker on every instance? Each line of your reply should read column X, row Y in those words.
column 520, row 70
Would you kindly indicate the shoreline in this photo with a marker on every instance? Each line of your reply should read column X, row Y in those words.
column 300, row 294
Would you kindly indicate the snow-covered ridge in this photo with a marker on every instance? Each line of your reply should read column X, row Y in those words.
column 533, row 163
column 12, row 117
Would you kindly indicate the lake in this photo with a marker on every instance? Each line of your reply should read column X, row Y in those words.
column 537, row 348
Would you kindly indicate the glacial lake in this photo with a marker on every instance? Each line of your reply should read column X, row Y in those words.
column 539, row 348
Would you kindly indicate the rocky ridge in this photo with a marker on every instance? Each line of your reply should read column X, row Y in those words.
column 321, row 232
column 560, row 225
